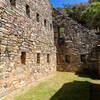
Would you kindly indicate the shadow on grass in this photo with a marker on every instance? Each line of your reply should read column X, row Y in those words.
column 93, row 74
column 78, row 90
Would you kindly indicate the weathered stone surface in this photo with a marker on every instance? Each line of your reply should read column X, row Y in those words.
column 20, row 33
column 77, row 41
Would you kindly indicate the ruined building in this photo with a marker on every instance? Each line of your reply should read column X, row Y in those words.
column 31, row 45
column 27, row 50
column 76, row 45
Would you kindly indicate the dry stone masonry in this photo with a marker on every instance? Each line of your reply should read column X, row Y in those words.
column 29, row 47
column 74, row 44
column 27, row 50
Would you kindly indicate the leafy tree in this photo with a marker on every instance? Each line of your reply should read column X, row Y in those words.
column 91, row 16
column 74, row 11
column 95, row 23
column 88, row 14
column 63, row 10
column 90, row 1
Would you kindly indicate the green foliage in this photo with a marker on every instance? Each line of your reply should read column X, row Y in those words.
column 62, row 10
column 88, row 14
column 62, row 32
column 74, row 11
column 90, row 1
column 91, row 16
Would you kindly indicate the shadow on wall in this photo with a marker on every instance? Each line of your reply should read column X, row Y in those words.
column 78, row 90
column 89, row 69
column 88, row 65
column 85, row 72
column 93, row 74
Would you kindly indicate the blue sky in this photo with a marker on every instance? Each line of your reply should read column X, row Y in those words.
column 59, row 3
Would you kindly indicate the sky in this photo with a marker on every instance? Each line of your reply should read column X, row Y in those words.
column 59, row 3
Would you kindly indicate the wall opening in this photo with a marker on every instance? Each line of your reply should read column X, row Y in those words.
column 23, row 58
column 67, row 58
column 51, row 26
column 83, row 58
column 0, row 50
column 45, row 23
column 13, row 2
column 37, row 17
column 61, row 35
column 61, row 32
column 28, row 10
column 38, row 58
column 48, row 58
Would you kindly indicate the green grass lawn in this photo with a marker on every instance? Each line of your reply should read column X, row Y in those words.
column 59, row 86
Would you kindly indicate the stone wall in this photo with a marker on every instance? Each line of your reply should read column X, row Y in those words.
column 24, row 35
column 76, row 43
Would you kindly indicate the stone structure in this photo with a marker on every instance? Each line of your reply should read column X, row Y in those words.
column 96, row 51
column 27, row 50
column 74, row 43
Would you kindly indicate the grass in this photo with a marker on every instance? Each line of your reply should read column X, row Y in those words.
column 60, row 86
